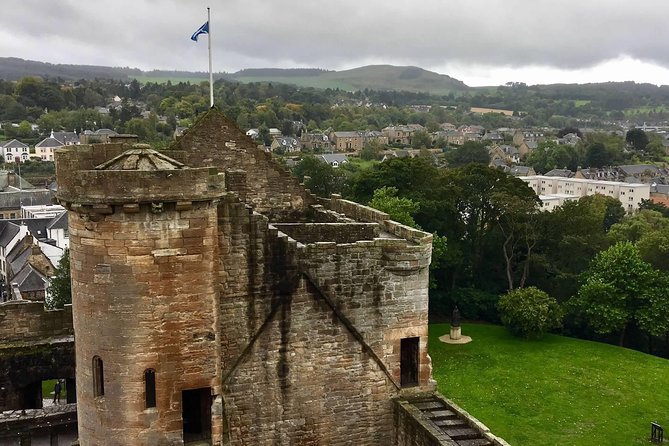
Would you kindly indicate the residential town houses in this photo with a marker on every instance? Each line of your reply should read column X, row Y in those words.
column 508, row 148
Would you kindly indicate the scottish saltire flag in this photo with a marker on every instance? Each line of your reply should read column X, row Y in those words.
column 204, row 29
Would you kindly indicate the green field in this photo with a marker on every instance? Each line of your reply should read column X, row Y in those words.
column 174, row 80
column 556, row 391
column 301, row 81
column 581, row 102
column 362, row 164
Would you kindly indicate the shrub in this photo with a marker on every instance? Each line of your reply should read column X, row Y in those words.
column 529, row 312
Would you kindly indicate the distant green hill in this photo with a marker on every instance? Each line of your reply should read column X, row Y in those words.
column 595, row 97
column 375, row 77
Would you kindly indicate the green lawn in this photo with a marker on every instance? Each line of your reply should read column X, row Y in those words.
column 47, row 391
column 362, row 164
column 556, row 391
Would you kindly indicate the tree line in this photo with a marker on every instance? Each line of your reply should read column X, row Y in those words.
column 607, row 271
column 267, row 104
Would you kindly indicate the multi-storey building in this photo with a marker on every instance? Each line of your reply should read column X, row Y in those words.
column 629, row 194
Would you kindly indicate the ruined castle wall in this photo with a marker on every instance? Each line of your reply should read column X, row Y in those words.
column 84, row 157
column 35, row 344
column 27, row 364
column 29, row 321
column 246, row 294
column 145, row 298
column 293, row 373
column 269, row 187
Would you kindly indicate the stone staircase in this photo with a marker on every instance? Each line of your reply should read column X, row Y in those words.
column 454, row 423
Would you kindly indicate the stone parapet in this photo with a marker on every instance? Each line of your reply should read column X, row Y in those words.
column 113, row 187
column 26, row 321
column 363, row 213
column 329, row 232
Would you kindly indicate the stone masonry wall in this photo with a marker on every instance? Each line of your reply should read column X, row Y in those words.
column 292, row 349
column 35, row 344
column 412, row 430
column 102, row 188
column 216, row 141
column 30, row 321
column 145, row 298
column 381, row 287
column 359, row 212
column 306, row 381
column 293, row 374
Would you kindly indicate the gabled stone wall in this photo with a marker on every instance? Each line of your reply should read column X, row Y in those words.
column 214, row 140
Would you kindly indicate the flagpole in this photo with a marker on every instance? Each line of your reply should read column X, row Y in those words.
column 211, row 76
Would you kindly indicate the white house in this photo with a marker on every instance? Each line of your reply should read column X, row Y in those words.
column 14, row 150
column 333, row 159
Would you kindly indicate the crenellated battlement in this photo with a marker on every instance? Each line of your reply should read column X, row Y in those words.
column 364, row 213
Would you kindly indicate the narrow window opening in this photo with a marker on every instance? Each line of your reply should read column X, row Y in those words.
column 150, row 387
column 98, row 377
column 409, row 362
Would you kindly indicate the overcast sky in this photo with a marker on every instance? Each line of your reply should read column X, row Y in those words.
column 481, row 42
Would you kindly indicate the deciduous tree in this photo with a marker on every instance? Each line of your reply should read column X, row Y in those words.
column 637, row 138
column 60, row 285
column 620, row 289
column 469, row 152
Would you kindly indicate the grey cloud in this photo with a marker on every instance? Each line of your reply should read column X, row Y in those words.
column 332, row 34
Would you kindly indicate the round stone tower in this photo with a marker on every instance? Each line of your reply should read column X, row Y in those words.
column 143, row 241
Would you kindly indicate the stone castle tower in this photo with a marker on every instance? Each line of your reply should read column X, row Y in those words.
column 216, row 301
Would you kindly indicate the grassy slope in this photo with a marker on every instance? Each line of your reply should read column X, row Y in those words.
column 389, row 77
column 300, row 81
column 556, row 391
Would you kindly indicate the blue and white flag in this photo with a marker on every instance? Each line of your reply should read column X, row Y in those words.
column 204, row 29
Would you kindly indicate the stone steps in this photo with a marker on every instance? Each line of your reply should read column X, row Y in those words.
column 474, row 442
column 449, row 422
